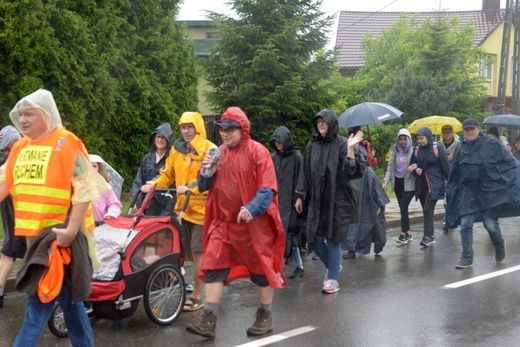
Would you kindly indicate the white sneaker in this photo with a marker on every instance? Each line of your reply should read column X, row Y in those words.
column 330, row 287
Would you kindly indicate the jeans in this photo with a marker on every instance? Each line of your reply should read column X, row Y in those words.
column 330, row 254
column 428, row 207
column 37, row 314
column 466, row 232
column 296, row 257
column 403, row 198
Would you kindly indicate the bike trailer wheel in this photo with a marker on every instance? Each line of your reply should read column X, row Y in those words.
column 164, row 295
column 56, row 323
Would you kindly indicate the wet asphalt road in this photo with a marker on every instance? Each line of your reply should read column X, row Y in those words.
column 396, row 299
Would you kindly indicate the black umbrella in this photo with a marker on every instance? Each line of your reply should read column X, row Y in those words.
column 510, row 121
column 368, row 113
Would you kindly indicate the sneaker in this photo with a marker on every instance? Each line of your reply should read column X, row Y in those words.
column 464, row 263
column 427, row 241
column 298, row 272
column 349, row 255
column 402, row 239
column 445, row 229
column 263, row 323
column 500, row 253
column 1, row 301
column 315, row 256
column 330, row 287
column 190, row 286
column 205, row 326
column 409, row 237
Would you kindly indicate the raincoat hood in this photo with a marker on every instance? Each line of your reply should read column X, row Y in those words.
column 406, row 133
column 427, row 133
column 199, row 142
column 236, row 114
column 282, row 135
column 164, row 130
column 330, row 117
column 41, row 99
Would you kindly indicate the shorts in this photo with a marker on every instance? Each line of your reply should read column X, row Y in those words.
column 14, row 246
column 220, row 275
column 191, row 237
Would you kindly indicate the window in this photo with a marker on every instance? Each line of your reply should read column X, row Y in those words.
column 212, row 35
column 486, row 67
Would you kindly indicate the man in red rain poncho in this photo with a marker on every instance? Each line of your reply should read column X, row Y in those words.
column 243, row 232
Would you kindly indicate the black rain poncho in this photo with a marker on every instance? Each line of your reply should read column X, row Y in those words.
column 287, row 166
column 369, row 228
column 323, row 182
column 484, row 176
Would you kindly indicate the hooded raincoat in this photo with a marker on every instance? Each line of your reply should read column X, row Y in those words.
column 436, row 167
column 182, row 167
column 323, row 182
column 409, row 179
column 484, row 177
column 149, row 170
column 287, row 166
column 257, row 246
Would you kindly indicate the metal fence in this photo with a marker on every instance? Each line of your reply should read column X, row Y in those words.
column 211, row 129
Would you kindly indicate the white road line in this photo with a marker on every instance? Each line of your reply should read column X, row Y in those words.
column 278, row 337
column 482, row 278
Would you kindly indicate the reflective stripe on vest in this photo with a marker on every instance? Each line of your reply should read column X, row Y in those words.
column 39, row 177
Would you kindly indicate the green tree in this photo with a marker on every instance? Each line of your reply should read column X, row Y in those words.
column 422, row 68
column 271, row 62
column 117, row 69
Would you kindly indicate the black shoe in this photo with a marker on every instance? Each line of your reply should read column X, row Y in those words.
column 349, row 255
column 427, row 241
column 263, row 323
column 445, row 229
column 409, row 236
column 500, row 253
column 464, row 263
column 298, row 272
column 402, row 239
column 1, row 301
column 205, row 326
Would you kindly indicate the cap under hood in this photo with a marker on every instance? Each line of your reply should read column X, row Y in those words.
column 236, row 114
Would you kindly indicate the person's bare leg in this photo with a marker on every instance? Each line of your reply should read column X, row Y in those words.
column 214, row 292
column 6, row 266
column 199, row 285
column 265, row 295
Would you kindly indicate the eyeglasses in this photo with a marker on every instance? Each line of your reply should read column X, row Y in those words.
column 159, row 137
column 227, row 131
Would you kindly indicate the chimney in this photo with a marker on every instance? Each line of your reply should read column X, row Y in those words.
column 490, row 5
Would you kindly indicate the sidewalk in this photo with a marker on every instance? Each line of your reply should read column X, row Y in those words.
column 393, row 220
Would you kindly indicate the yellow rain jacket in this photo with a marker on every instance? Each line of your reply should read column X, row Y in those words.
column 182, row 168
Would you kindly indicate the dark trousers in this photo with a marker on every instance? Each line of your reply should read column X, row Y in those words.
column 428, row 207
column 403, row 198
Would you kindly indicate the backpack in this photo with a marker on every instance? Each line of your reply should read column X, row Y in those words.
column 372, row 160
column 435, row 150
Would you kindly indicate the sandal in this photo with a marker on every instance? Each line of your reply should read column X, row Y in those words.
column 193, row 304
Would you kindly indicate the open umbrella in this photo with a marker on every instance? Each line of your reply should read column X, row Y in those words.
column 368, row 113
column 435, row 124
column 510, row 121
column 116, row 180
